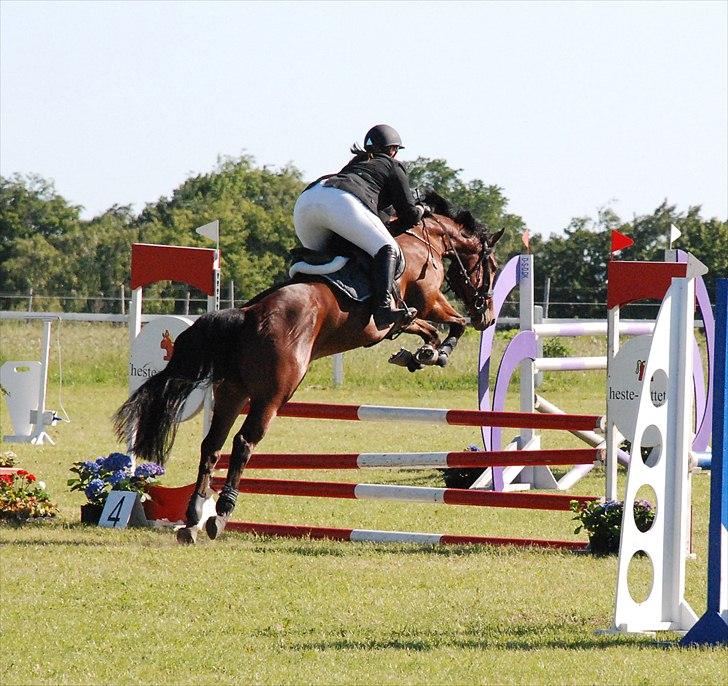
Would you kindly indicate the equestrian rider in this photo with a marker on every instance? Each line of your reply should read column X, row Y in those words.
column 349, row 203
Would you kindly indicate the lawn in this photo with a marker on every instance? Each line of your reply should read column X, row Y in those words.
column 82, row 605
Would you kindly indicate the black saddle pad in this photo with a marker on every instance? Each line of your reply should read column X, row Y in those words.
column 353, row 280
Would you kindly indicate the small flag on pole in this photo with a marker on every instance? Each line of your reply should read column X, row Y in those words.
column 675, row 233
column 211, row 231
column 620, row 241
column 526, row 238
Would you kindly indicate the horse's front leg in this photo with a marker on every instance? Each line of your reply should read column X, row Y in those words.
column 448, row 345
column 428, row 333
column 251, row 433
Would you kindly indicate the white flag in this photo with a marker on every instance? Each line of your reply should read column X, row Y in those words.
column 211, row 231
column 674, row 234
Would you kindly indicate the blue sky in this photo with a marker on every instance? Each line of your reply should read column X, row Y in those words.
column 569, row 107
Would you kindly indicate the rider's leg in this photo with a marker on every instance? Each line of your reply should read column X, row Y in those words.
column 386, row 310
column 321, row 209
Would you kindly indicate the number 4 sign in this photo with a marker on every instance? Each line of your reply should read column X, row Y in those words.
column 119, row 508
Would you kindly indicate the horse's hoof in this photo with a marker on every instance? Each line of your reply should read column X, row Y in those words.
column 401, row 358
column 426, row 355
column 187, row 535
column 215, row 526
column 442, row 360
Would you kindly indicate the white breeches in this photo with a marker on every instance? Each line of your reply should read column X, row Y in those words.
column 322, row 210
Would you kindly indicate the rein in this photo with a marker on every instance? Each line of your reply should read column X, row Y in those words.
column 479, row 298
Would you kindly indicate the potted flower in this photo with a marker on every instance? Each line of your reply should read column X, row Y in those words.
column 23, row 497
column 97, row 478
column 602, row 520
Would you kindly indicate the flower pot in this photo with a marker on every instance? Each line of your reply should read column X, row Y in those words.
column 91, row 513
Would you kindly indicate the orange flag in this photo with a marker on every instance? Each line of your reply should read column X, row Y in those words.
column 620, row 241
column 526, row 238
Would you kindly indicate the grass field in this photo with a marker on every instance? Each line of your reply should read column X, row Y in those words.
column 85, row 605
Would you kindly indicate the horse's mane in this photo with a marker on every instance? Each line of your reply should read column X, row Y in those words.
column 460, row 216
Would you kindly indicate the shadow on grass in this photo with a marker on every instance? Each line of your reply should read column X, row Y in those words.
column 526, row 638
column 323, row 548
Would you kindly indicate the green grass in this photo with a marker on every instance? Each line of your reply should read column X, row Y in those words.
column 84, row 605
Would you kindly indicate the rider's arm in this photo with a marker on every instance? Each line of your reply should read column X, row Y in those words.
column 400, row 194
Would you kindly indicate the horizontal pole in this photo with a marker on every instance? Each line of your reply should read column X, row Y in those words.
column 591, row 328
column 420, row 494
column 373, row 536
column 517, row 420
column 436, row 460
column 569, row 364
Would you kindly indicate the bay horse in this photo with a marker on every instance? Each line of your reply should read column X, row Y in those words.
column 259, row 354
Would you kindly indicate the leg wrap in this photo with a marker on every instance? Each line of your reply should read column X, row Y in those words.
column 226, row 502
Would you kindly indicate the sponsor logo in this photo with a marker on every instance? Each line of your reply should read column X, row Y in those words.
column 167, row 344
column 143, row 372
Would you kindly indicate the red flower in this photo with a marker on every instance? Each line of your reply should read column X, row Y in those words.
column 7, row 479
column 22, row 472
column 30, row 477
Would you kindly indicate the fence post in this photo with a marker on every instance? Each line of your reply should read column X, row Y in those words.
column 187, row 302
column 338, row 369
column 231, row 293
column 546, row 294
column 122, row 298
column 30, row 300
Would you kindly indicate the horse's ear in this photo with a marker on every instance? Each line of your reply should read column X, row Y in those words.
column 492, row 240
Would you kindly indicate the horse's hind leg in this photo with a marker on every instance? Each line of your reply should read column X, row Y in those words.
column 252, row 431
column 229, row 401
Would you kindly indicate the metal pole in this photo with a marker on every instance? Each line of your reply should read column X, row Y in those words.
column 546, row 295
column 338, row 369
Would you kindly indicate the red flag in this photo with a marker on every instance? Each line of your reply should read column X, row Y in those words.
column 620, row 241
column 526, row 238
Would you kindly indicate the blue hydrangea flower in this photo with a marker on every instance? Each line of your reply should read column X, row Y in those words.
column 117, row 476
column 94, row 489
column 116, row 462
column 90, row 466
column 148, row 470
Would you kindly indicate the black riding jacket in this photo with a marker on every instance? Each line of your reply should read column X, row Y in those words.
column 378, row 182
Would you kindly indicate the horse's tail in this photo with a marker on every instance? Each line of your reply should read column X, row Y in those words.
column 150, row 416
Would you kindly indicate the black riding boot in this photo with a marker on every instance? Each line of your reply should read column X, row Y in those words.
column 386, row 311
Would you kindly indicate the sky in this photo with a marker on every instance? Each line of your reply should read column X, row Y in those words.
column 569, row 107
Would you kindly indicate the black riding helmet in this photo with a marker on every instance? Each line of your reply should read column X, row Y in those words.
column 380, row 137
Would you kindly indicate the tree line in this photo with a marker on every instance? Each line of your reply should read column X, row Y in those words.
column 46, row 246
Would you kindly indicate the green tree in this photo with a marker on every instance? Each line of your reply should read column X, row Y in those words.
column 255, row 209
column 487, row 202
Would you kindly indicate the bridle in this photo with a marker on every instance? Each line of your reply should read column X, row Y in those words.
column 479, row 297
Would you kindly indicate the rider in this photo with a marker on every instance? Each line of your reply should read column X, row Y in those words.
column 349, row 203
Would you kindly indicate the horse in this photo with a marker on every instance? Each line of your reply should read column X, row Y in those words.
column 258, row 355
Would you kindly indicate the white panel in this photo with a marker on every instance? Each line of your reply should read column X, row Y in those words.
column 415, row 494
column 375, row 413
column 365, row 535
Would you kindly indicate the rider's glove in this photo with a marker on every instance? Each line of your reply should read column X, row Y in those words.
column 422, row 210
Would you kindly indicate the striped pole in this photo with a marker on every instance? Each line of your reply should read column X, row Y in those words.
column 372, row 536
column 412, row 494
column 435, row 460
column 371, row 413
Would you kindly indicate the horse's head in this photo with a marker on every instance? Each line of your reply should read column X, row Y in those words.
column 473, row 266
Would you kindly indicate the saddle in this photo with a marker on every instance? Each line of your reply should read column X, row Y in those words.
column 346, row 268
